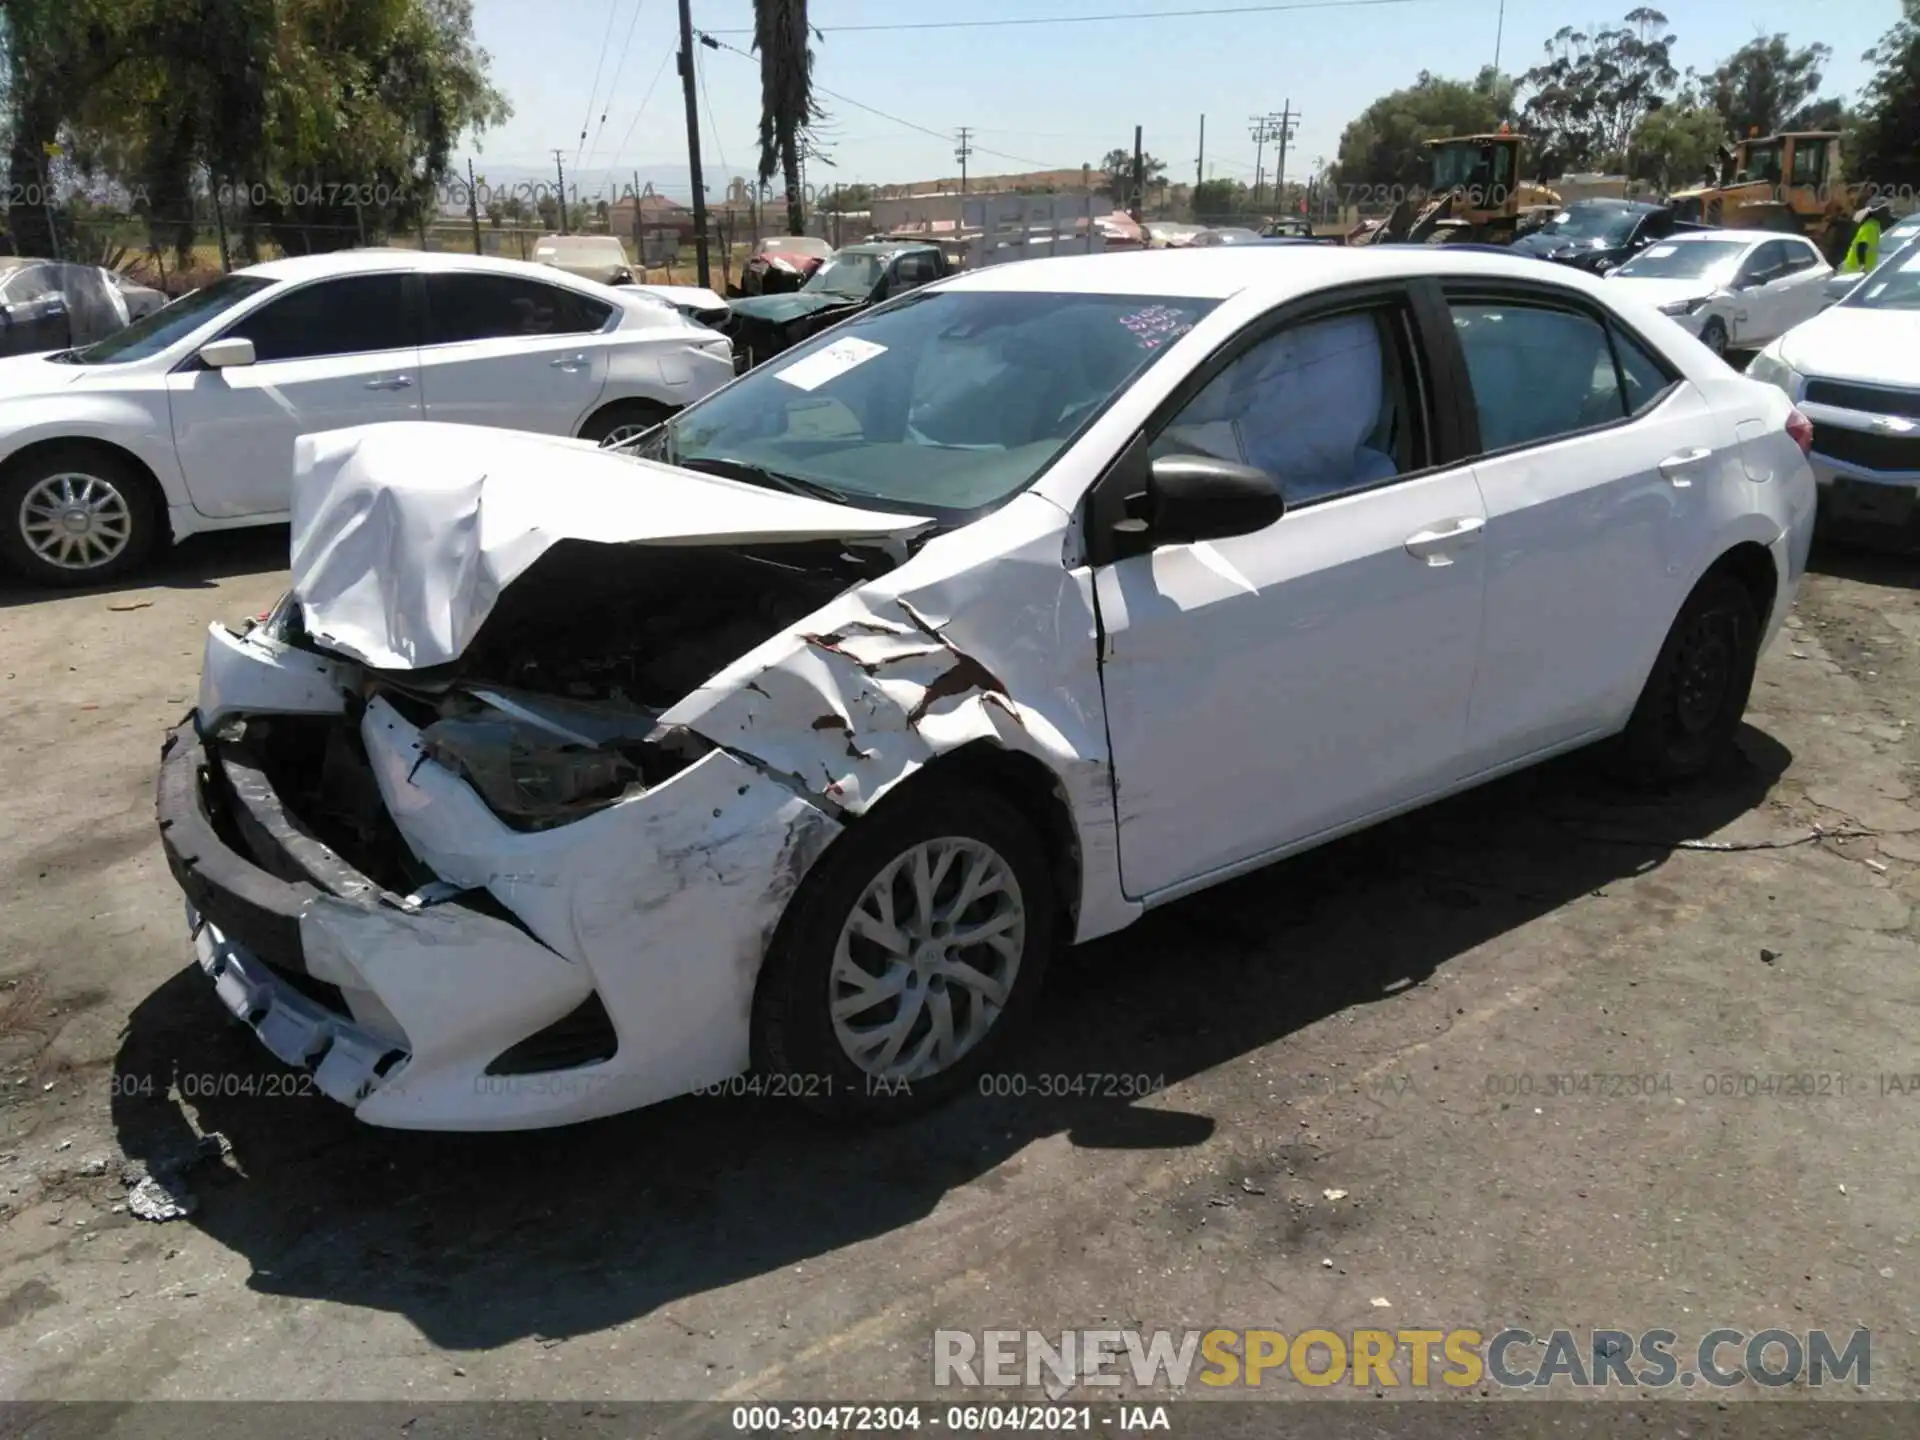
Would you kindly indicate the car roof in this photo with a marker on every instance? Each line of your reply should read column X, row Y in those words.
column 1609, row 202
column 1218, row 272
column 357, row 262
column 885, row 247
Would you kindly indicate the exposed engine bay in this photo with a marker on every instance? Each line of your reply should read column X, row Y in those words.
column 552, row 712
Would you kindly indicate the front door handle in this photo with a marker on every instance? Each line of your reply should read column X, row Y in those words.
column 391, row 382
column 1436, row 545
column 1676, row 467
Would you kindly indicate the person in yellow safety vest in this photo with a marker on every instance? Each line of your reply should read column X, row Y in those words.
column 1863, row 250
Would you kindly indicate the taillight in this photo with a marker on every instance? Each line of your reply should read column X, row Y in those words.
column 1801, row 429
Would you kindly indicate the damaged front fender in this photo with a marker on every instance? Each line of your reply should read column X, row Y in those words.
column 942, row 654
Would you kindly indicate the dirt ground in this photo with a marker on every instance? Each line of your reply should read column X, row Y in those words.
column 1384, row 1017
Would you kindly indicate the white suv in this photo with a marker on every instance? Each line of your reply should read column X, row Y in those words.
column 186, row 420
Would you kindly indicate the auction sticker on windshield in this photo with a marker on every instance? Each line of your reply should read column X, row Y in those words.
column 829, row 364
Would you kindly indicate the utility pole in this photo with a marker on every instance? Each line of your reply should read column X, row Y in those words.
column 473, row 206
column 1287, row 122
column 1139, row 177
column 560, row 172
column 1200, row 160
column 961, row 153
column 1259, row 130
column 693, row 146
column 1499, row 33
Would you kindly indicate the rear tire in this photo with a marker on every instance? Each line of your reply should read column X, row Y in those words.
column 622, row 421
column 76, row 515
column 817, row 1034
column 1695, row 698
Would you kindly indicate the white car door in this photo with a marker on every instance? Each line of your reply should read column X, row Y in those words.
column 1804, row 285
column 329, row 354
column 1269, row 687
column 512, row 351
column 1591, row 471
column 1763, row 296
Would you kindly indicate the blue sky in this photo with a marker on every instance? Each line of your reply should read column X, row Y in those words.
column 1053, row 95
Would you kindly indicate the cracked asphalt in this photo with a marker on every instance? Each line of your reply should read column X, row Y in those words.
column 1533, row 1042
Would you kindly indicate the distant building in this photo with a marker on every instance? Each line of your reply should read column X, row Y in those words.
column 656, row 213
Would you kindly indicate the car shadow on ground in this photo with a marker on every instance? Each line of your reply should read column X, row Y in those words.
column 482, row 1240
column 196, row 563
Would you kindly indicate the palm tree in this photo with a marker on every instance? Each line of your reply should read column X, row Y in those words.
column 787, row 105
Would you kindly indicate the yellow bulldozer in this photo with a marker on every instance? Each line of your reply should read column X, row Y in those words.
column 1474, row 194
column 1792, row 182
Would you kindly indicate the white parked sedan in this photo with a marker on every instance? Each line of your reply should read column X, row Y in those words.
column 796, row 734
column 1855, row 371
column 1735, row 289
column 185, row 421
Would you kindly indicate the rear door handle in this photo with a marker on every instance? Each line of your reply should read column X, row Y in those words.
column 571, row 362
column 1436, row 545
column 1675, row 467
column 391, row 382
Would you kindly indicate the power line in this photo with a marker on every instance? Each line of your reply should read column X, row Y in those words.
column 1098, row 19
column 634, row 123
column 613, row 88
column 606, row 44
column 700, row 71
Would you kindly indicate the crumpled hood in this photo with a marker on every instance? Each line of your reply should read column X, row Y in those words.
column 780, row 309
column 1851, row 342
column 405, row 534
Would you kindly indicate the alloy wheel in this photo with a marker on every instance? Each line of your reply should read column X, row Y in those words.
column 75, row 521
column 927, row 959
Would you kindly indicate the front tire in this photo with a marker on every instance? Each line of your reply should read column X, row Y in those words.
column 1713, row 335
column 910, row 958
column 1694, row 699
column 75, row 516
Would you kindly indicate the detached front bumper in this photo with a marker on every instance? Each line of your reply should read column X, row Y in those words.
column 523, row 979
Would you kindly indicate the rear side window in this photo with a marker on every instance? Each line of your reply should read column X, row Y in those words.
column 354, row 315
column 1643, row 378
column 493, row 307
column 1800, row 255
column 1538, row 371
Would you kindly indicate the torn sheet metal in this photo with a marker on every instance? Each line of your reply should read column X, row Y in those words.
column 942, row 653
column 255, row 674
column 666, row 901
column 404, row 534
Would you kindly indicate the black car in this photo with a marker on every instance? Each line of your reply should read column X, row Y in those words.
column 1596, row 235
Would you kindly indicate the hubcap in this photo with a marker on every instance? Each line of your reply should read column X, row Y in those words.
column 1716, row 338
column 927, row 959
column 76, row 521
column 1704, row 671
column 621, row 434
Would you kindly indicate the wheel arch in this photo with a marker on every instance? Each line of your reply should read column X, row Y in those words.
column 1752, row 564
column 141, row 471
column 665, row 410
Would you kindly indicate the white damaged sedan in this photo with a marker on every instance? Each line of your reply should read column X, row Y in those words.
column 791, row 738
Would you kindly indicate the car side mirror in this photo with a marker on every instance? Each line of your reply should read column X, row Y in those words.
column 1196, row 497
column 224, row 354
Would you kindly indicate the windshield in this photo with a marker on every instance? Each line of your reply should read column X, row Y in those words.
column 1893, row 285
column 849, row 275
column 796, row 245
column 1689, row 260
column 148, row 337
column 1609, row 226
column 942, row 403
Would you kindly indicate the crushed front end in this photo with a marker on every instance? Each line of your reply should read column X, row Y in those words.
column 493, row 892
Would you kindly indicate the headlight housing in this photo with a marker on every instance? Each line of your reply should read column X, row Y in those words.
column 1768, row 368
column 1684, row 307
column 530, row 777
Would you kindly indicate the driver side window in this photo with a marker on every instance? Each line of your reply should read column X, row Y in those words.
column 1763, row 264
column 1326, row 407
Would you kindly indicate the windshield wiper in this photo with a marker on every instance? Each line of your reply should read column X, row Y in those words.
column 761, row 475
